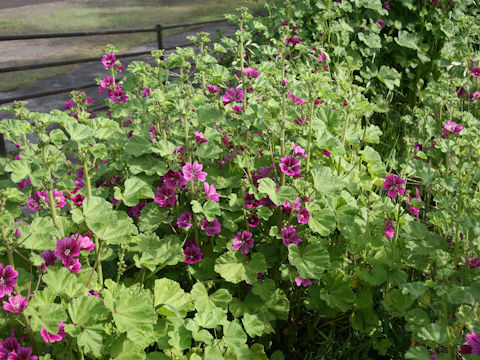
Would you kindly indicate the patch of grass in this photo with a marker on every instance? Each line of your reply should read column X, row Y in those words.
column 10, row 81
column 68, row 16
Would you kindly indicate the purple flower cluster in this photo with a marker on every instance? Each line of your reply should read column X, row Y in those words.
column 10, row 349
column 8, row 279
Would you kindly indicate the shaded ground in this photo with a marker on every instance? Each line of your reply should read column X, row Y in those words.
column 85, row 74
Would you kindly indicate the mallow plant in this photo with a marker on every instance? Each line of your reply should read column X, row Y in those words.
column 245, row 208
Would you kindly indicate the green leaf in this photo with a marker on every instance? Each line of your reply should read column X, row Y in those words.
column 205, row 302
column 198, row 334
column 233, row 334
column 208, row 150
column 285, row 193
column 460, row 295
column 337, row 292
column 264, row 288
column 396, row 303
column 135, row 190
column 414, row 289
column 252, row 324
column 165, row 148
column 374, row 161
column 276, row 308
column 20, row 169
column 310, row 261
column 125, row 349
column 234, row 267
column 138, row 145
column 169, row 292
column 152, row 217
column 133, row 311
column 434, row 332
column 372, row 40
column 120, row 231
column 212, row 353
column 154, row 252
column 389, row 76
column 211, row 209
column 417, row 353
column 211, row 318
column 39, row 235
column 86, row 310
column 407, row 40
column 79, row 133
column 63, row 281
column 46, row 316
column 325, row 181
column 210, row 116
column 180, row 338
column 322, row 221
column 264, row 212
column 147, row 164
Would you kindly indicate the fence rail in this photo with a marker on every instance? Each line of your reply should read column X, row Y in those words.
column 158, row 29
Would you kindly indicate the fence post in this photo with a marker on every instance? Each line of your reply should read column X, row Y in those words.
column 160, row 37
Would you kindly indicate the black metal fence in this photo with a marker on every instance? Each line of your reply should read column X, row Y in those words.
column 158, row 29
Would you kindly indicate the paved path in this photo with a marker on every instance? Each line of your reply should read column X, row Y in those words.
column 84, row 74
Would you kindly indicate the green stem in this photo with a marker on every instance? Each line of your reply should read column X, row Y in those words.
column 282, row 134
column 53, row 209
column 312, row 112
column 397, row 226
column 96, row 265
column 87, row 180
column 343, row 144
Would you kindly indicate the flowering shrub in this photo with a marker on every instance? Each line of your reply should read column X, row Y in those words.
column 240, row 211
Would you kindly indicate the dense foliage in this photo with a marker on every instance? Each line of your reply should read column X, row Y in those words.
column 311, row 189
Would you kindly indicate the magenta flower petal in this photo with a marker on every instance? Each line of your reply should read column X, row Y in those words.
column 185, row 220
column 389, row 231
column 15, row 304
column 243, row 241
column 49, row 337
column 8, row 279
column 289, row 236
column 211, row 228
column 192, row 254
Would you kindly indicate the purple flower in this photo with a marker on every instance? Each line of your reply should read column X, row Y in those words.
column 303, row 282
column 290, row 166
column 473, row 263
column 327, row 153
column 212, row 89
column 237, row 108
column 389, row 231
column 78, row 200
column 72, row 264
column 58, row 197
column 451, row 127
column 381, row 23
column 165, row 197
column 473, row 344
column 146, row 92
column 243, row 241
column 303, row 216
column 84, row 242
column 108, row 60
column 290, row 236
column 117, row 95
column 298, row 150
column 48, row 337
column 185, row 220
column 105, row 83
column 194, row 171
column 386, row 5
column 15, row 304
column 475, row 71
column 36, row 201
column 322, row 58
column 192, row 254
column 8, row 279
column 8, row 347
column 233, row 95
column 49, row 257
column 392, row 184
column 253, row 221
column 199, row 137
column 24, row 183
column 210, row 192
column 293, row 40
column 67, row 248
column 136, row 210
column 249, row 201
column 173, row 179
column 211, row 228
column 68, row 105
column 251, row 72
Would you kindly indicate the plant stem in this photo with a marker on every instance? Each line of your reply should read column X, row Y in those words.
column 95, row 264
column 53, row 209
column 312, row 112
